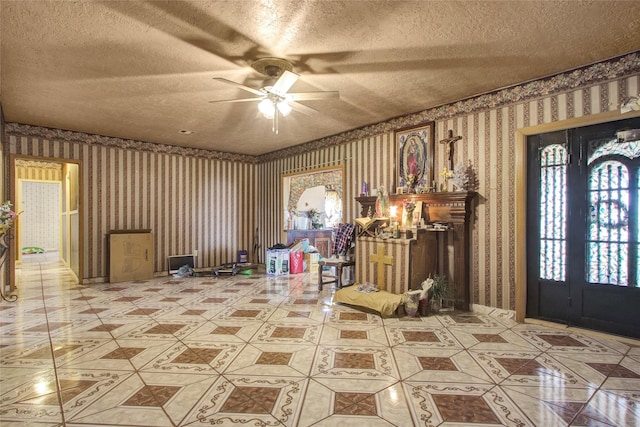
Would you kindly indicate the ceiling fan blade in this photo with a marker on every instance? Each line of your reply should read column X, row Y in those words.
column 237, row 100
column 240, row 86
column 303, row 108
column 309, row 96
column 284, row 83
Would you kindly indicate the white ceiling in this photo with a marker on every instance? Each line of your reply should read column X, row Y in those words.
column 144, row 70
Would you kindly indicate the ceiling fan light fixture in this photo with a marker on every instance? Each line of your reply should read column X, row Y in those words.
column 267, row 108
column 275, row 100
column 284, row 108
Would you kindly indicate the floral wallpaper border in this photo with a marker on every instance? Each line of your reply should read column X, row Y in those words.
column 587, row 75
column 584, row 76
column 125, row 144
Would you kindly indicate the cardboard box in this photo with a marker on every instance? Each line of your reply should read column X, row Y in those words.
column 311, row 262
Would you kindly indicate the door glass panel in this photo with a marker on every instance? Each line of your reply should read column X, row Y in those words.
column 630, row 150
column 608, row 233
column 553, row 202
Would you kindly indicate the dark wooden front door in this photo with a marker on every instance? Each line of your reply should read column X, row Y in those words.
column 583, row 227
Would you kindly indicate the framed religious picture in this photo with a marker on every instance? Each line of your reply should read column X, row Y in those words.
column 415, row 147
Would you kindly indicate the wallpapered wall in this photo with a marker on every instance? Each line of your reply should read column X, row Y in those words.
column 188, row 202
column 38, row 171
column 215, row 202
column 489, row 138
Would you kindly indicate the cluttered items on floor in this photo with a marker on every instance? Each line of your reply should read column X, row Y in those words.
column 231, row 268
column 299, row 257
column 368, row 295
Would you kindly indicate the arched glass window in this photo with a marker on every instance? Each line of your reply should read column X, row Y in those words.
column 608, row 232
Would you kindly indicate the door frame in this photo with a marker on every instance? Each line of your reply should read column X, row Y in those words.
column 521, row 191
column 12, row 196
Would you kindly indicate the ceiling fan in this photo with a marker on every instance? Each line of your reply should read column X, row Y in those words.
column 276, row 100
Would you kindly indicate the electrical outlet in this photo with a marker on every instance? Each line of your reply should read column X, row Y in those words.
column 195, row 252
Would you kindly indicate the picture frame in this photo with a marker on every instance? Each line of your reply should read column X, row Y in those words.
column 415, row 155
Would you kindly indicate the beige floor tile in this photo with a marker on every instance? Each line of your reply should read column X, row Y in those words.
column 245, row 400
column 248, row 350
column 264, row 359
column 462, row 404
column 439, row 365
column 343, row 405
column 353, row 334
column 355, row 362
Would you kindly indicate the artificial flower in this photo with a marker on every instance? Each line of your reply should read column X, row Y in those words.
column 7, row 215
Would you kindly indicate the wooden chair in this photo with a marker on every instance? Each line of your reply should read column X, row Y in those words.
column 335, row 264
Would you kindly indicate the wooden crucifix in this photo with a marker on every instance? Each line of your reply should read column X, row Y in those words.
column 381, row 259
column 449, row 142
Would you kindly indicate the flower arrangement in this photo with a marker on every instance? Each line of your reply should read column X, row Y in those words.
column 409, row 206
column 465, row 177
column 7, row 216
column 314, row 216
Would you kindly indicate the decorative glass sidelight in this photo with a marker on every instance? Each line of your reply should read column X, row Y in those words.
column 553, row 212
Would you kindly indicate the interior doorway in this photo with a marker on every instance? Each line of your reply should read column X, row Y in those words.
column 47, row 193
column 583, row 224
column 41, row 206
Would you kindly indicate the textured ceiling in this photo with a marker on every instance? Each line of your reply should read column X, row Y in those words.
column 144, row 70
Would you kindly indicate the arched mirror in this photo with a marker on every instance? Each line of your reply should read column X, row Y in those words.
column 313, row 199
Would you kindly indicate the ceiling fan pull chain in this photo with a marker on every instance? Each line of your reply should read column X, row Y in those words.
column 274, row 128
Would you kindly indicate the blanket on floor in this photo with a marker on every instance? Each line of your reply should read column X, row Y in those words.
column 383, row 302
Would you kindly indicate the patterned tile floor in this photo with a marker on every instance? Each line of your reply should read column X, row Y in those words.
column 262, row 351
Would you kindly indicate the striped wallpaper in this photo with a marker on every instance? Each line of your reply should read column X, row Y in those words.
column 219, row 205
column 188, row 203
column 38, row 171
column 489, row 141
